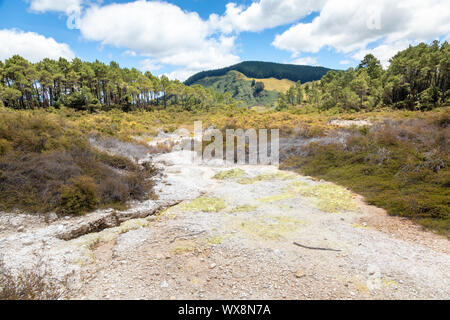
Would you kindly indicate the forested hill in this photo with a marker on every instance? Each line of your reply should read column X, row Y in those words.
column 258, row 69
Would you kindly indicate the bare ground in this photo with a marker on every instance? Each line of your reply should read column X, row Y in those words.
column 237, row 242
column 251, row 233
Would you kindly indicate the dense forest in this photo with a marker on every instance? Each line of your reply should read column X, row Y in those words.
column 93, row 86
column 258, row 69
column 418, row 78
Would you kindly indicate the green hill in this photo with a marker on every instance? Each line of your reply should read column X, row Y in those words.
column 261, row 70
column 241, row 88
column 256, row 83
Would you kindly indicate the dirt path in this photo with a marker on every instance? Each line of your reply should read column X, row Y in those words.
column 236, row 241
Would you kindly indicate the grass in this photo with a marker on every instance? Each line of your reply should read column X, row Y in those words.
column 273, row 84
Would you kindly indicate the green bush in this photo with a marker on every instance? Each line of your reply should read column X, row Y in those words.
column 79, row 197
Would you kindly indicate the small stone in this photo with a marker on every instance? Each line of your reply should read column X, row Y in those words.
column 212, row 266
column 164, row 284
column 300, row 274
column 27, row 242
column 20, row 229
column 52, row 217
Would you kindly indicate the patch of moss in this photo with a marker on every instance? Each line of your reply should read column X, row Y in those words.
column 270, row 227
column 244, row 208
column 389, row 283
column 278, row 197
column 205, row 204
column 230, row 174
column 217, row 239
column 327, row 196
column 359, row 226
column 267, row 177
column 184, row 246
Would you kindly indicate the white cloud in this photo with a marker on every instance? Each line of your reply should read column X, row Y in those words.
column 345, row 62
column 160, row 31
column 31, row 46
column 351, row 25
column 150, row 65
column 67, row 6
column 263, row 14
column 384, row 51
column 180, row 74
column 310, row 61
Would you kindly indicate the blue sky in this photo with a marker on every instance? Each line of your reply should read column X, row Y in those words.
column 181, row 37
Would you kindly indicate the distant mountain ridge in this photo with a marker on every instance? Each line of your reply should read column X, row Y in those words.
column 260, row 69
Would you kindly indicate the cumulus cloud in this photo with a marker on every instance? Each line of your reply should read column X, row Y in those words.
column 56, row 5
column 150, row 65
column 310, row 61
column 263, row 14
column 160, row 31
column 384, row 52
column 72, row 8
column 31, row 46
column 351, row 25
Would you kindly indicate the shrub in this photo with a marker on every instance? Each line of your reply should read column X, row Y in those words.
column 5, row 146
column 78, row 197
column 30, row 284
column 402, row 166
column 47, row 164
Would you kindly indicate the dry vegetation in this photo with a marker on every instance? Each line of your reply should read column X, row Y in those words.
column 31, row 284
column 400, row 164
column 47, row 164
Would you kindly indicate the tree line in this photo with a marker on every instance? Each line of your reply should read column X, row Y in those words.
column 417, row 78
column 95, row 85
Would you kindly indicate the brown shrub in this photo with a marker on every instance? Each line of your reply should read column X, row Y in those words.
column 31, row 284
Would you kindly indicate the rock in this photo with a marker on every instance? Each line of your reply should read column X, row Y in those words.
column 52, row 217
column 212, row 266
column 300, row 274
column 27, row 242
column 164, row 284
column 21, row 229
